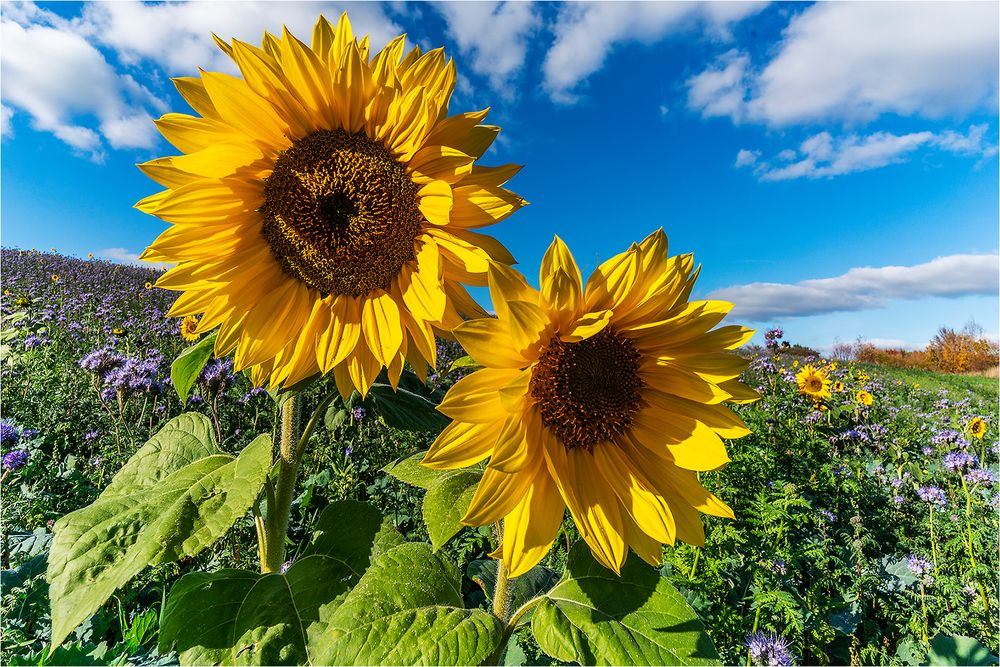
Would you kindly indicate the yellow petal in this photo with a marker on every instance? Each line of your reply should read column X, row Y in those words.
column 676, row 380
column 478, row 206
column 244, row 110
column 460, row 445
column 528, row 531
column 337, row 342
column 193, row 91
column 587, row 326
column 475, row 398
column 507, row 284
column 381, row 326
column 190, row 134
column 489, row 342
column 496, row 496
column 439, row 162
column 528, row 324
column 435, row 202
column 611, row 284
column 649, row 510
column 421, row 285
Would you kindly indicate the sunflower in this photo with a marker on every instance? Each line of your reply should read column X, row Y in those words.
column 813, row 382
column 976, row 428
column 838, row 386
column 148, row 285
column 189, row 328
column 606, row 398
column 55, row 278
column 863, row 398
column 323, row 211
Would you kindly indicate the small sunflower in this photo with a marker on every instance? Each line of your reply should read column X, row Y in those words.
column 90, row 255
column 976, row 428
column 863, row 397
column 148, row 285
column 189, row 328
column 323, row 212
column 605, row 398
column 55, row 278
column 118, row 331
column 838, row 386
column 813, row 382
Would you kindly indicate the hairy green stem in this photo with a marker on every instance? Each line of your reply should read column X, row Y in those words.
column 930, row 517
column 288, row 468
column 694, row 565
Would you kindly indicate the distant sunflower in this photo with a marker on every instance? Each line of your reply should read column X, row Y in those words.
column 813, row 382
column 976, row 428
column 605, row 398
column 189, row 328
column 838, row 386
column 148, row 285
column 322, row 213
column 55, row 278
column 864, row 398
column 118, row 331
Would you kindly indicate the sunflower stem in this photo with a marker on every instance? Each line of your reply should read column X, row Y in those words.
column 288, row 468
column 501, row 604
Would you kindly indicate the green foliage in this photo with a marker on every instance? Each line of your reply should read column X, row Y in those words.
column 410, row 406
column 959, row 651
column 188, row 364
column 594, row 617
column 536, row 581
column 176, row 496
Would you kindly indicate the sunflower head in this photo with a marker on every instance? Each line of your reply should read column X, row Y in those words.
column 55, row 278
column 118, row 331
column 976, row 428
column 813, row 382
column 862, row 397
column 838, row 386
column 148, row 285
column 605, row 397
column 189, row 328
column 324, row 209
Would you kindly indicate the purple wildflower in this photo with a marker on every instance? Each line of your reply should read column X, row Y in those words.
column 982, row 476
column 932, row 494
column 957, row 461
column 768, row 648
column 15, row 459
column 359, row 413
column 9, row 435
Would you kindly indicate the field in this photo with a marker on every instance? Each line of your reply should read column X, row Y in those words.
column 864, row 533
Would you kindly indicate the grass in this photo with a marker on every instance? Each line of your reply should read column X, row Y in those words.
column 986, row 388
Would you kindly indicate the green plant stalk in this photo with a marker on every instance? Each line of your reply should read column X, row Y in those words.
column 972, row 556
column 501, row 602
column 288, row 468
column 923, row 609
column 930, row 517
column 694, row 565
column 756, row 622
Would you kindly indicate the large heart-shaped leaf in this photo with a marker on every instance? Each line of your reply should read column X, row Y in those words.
column 241, row 617
column 407, row 610
column 178, row 495
column 594, row 617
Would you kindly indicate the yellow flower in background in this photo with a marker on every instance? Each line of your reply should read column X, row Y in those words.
column 838, row 386
column 55, row 278
column 323, row 212
column 118, row 331
column 90, row 255
column 976, row 428
column 864, row 398
column 863, row 377
column 813, row 382
column 189, row 328
column 795, row 364
column 832, row 366
column 606, row 398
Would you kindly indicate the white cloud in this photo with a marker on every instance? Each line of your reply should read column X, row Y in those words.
column 494, row 36
column 177, row 36
column 6, row 127
column 126, row 256
column 721, row 90
column 865, row 288
column 822, row 155
column 585, row 33
column 746, row 158
column 63, row 83
column 853, row 61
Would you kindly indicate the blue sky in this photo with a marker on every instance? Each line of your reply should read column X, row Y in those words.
column 833, row 166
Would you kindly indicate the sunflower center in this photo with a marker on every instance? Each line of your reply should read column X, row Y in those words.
column 588, row 392
column 815, row 385
column 340, row 213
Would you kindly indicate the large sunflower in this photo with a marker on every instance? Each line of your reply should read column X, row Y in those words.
column 322, row 210
column 605, row 398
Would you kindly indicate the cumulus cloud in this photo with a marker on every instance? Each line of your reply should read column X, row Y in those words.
column 585, row 33
column 126, row 256
column 853, row 61
column 494, row 36
column 177, row 36
column 74, row 77
column 6, row 127
column 865, row 288
column 822, row 155
column 78, row 96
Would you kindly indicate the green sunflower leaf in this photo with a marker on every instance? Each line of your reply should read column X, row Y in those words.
column 446, row 502
column 959, row 650
column 177, row 495
column 411, row 406
column 528, row 586
column 409, row 470
column 594, row 617
column 385, row 621
column 188, row 364
column 242, row 617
